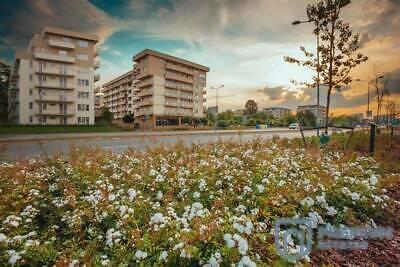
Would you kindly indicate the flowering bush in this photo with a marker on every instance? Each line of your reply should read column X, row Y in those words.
column 211, row 205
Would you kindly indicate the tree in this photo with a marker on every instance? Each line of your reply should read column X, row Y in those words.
column 381, row 91
column 307, row 118
column 337, row 48
column 106, row 115
column 251, row 107
column 128, row 118
column 4, row 84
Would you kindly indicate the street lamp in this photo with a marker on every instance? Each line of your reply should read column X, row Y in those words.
column 369, row 113
column 216, row 101
column 297, row 22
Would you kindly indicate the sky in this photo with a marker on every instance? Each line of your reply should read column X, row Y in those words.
column 242, row 41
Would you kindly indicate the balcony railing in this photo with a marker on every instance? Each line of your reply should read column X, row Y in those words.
column 144, row 83
column 57, row 71
column 171, row 94
column 54, row 98
column 178, row 68
column 176, row 77
column 54, row 57
column 96, row 64
column 145, row 92
column 61, row 44
column 55, row 85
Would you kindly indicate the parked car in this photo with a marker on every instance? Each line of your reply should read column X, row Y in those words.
column 294, row 126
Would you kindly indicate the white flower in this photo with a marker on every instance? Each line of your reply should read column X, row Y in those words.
column 3, row 237
column 157, row 218
column 260, row 188
column 159, row 195
column 14, row 257
column 140, row 254
column 243, row 246
column 330, row 211
column 213, row 262
column 308, row 201
column 196, row 194
column 246, row 262
column 373, row 180
column 355, row 196
column 111, row 197
column 163, row 256
column 230, row 243
column 132, row 194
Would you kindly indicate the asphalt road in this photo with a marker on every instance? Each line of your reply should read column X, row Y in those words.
column 25, row 146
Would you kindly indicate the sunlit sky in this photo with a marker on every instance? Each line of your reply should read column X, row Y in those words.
column 242, row 41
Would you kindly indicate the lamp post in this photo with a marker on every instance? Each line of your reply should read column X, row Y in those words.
column 369, row 113
column 216, row 102
column 297, row 22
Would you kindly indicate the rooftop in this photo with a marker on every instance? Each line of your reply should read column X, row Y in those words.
column 63, row 32
column 172, row 58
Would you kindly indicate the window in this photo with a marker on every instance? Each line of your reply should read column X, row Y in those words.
column 30, row 119
column 83, row 107
column 30, row 77
column 30, row 63
column 83, row 94
column 83, row 70
column 62, row 52
column 30, row 105
column 82, row 56
column 44, row 106
column 83, row 120
column 30, row 92
column 83, row 43
column 83, row 82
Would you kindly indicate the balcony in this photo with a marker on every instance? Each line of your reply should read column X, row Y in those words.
column 171, row 94
column 61, row 44
column 55, row 85
column 145, row 92
column 54, row 57
column 178, row 68
column 56, row 111
column 96, row 77
column 96, row 64
column 179, row 78
column 171, row 104
column 186, row 105
column 186, row 96
column 69, row 72
column 146, row 102
column 54, row 98
column 144, row 111
column 145, row 83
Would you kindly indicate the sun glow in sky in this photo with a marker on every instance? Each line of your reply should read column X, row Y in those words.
column 243, row 42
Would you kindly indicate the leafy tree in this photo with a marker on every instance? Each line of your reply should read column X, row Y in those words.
column 337, row 48
column 4, row 84
column 251, row 107
column 128, row 118
column 344, row 120
column 307, row 118
column 106, row 115
column 251, row 122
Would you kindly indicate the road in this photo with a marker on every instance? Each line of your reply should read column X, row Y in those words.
column 24, row 146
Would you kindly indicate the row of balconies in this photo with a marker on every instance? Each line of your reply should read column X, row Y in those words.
column 176, row 77
column 178, row 68
column 61, row 58
column 54, row 98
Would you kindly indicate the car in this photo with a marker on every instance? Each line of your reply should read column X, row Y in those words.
column 294, row 126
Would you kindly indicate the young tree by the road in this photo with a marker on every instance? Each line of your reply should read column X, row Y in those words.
column 337, row 48
column 251, row 107
column 381, row 90
column 307, row 118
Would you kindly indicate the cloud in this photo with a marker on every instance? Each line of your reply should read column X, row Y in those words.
column 28, row 17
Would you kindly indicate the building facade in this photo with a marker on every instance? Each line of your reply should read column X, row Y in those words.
column 118, row 95
column 168, row 89
column 278, row 112
column 53, row 81
column 318, row 111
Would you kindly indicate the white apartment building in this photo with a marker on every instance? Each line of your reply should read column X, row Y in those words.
column 169, row 89
column 53, row 81
column 316, row 110
column 118, row 95
column 278, row 112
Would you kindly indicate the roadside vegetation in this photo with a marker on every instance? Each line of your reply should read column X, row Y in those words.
column 188, row 205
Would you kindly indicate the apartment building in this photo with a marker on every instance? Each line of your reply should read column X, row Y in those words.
column 278, row 112
column 53, row 80
column 168, row 89
column 118, row 95
column 98, row 101
column 316, row 110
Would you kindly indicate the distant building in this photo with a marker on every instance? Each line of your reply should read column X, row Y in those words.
column 278, row 112
column 315, row 109
column 169, row 89
column 359, row 116
column 118, row 95
column 98, row 101
column 239, row 112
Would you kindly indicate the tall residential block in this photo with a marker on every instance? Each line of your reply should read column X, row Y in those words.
column 53, row 81
column 118, row 95
column 168, row 89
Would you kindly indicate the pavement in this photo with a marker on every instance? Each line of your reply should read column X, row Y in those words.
column 17, row 147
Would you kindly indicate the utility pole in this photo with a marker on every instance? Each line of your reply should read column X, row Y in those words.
column 216, row 103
